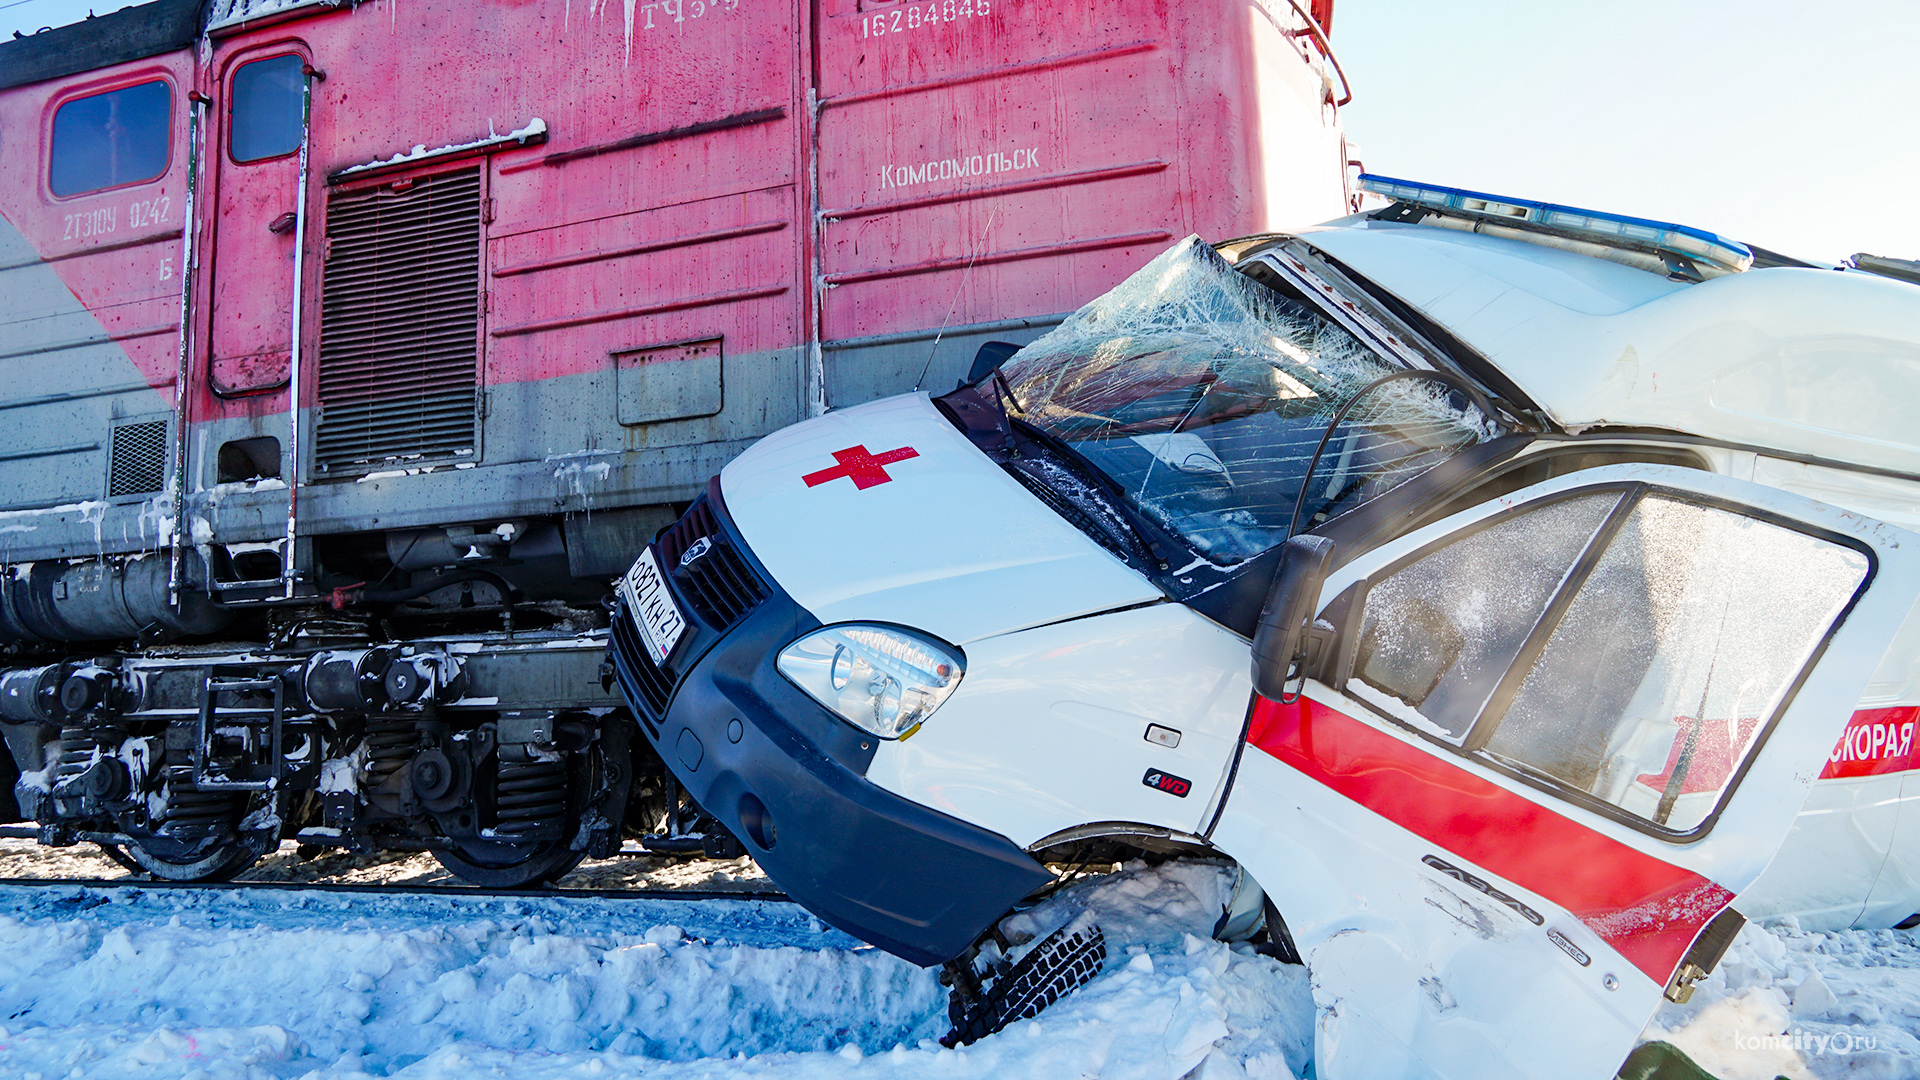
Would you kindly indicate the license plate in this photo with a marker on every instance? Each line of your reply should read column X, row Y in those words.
column 661, row 623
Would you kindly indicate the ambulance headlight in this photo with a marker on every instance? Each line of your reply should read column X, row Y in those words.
column 880, row 679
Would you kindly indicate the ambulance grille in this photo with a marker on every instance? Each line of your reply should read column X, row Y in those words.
column 400, row 323
column 697, row 522
column 717, row 583
column 648, row 688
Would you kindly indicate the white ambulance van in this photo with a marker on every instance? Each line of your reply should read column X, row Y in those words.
column 1518, row 596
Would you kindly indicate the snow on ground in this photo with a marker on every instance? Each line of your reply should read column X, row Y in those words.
column 166, row 983
column 1787, row 1002
column 158, row 984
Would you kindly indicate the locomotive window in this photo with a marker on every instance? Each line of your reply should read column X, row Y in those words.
column 107, row 140
column 266, row 108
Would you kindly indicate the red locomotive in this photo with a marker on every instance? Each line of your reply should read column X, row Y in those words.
column 347, row 350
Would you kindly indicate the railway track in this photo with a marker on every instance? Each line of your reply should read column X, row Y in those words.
column 370, row 888
column 647, row 887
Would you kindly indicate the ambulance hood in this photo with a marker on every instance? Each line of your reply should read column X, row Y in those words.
column 884, row 512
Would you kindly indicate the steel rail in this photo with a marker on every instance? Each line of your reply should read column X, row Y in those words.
column 546, row 893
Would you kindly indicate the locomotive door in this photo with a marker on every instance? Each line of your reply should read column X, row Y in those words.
column 1559, row 734
column 256, row 228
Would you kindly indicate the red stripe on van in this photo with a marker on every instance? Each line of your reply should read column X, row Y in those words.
column 1648, row 910
column 1877, row 741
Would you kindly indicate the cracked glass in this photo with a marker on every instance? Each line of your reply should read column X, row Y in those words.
column 1439, row 633
column 1203, row 394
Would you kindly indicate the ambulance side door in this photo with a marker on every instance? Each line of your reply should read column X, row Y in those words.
column 1551, row 740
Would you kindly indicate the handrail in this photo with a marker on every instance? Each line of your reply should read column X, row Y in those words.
column 177, row 484
column 1326, row 49
column 289, row 572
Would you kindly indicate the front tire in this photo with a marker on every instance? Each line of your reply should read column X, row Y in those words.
column 984, row 1002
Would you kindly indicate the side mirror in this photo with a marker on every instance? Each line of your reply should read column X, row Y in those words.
column 990, row 356
column 1296, row 585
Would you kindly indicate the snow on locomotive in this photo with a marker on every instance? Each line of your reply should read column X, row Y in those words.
column 347, row 351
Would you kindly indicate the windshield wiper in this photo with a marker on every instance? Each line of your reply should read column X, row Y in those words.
column 1099, row 482
column 1001, row 386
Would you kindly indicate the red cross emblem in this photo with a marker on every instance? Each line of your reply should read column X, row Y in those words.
column 864, row 469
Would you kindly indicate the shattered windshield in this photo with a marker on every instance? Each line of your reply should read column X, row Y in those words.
column 1203, row 393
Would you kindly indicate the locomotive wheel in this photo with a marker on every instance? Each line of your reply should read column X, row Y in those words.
column 524, row 797
column 508, row 866
column 223, row 863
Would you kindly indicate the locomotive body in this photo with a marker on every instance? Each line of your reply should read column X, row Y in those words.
column 347, row 351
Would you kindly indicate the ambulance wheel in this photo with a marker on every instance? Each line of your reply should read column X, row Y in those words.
column 988, row 991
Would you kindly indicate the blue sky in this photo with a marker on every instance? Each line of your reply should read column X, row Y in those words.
column 26, row 16
column 1789, row 125
column 1786, row 124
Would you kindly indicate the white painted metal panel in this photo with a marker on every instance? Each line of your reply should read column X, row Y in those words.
column 1048, row 730
column 947, row 542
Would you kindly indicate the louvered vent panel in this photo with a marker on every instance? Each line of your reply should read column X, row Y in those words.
column 400, row 322
column 137, row 461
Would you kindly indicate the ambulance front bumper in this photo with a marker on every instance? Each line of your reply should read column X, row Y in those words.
column 787, row 778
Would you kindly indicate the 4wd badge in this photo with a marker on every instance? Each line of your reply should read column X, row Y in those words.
column 1167, row 782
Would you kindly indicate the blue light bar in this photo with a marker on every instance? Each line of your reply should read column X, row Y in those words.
column 1612, row 230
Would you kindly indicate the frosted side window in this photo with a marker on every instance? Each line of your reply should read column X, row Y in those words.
column 1673, row 656
column 1438, row 634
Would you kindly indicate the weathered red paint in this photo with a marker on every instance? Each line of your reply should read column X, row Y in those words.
column 1648, row 910
column 118, row 250
column 250, row 317
column 927, row 163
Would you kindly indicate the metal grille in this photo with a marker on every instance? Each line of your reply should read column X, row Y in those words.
column 137, row 462
column 399, row 333
column 718, row 583
column 648, row 688
column 684, row 532
column 721, row 586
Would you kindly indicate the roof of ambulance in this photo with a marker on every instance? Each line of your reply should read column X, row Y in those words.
column 1815, row 362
